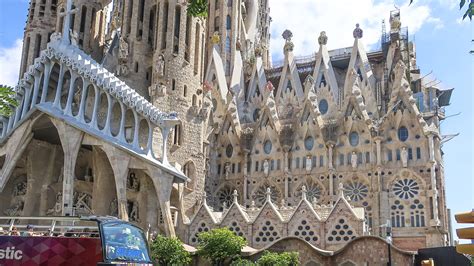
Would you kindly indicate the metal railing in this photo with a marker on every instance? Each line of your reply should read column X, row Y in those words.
column 48, row 226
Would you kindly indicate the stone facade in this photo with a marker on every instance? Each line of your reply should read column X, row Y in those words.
column 343, row 135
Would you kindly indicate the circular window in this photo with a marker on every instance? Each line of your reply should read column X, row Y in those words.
column 267, row 146
column 406, row 188
column 323, row 106
column 354, row 139
column 256, row 114
column 403, row 134
column 309, row 143
column 229, row 150
column 356, row 190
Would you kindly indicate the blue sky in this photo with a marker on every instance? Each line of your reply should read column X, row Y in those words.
column 442, row 42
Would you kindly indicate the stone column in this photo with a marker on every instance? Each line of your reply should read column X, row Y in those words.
column 245, row 187
column 331, row 183
column 71, row 140
column 119, row 161
column 163, row 183
column 39, row 169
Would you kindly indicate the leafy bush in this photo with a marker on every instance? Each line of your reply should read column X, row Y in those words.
column 242, row 262
column 169, row 251
column 278, row 259
column 220, row 244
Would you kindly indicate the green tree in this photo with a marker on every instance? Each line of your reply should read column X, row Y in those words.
column 219, row 245
column 470, row 8
column 7, row 100
column 169, row 251
column 278, row 259
column 198, row 8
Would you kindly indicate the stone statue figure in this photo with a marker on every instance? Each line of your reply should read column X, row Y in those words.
column 122, row 70
column 133, row 215
column 309, row 165
column 74, row 38
column 123, row 49
column 404, row 157
column 358, row 32
column 266, row 167
column 323, row 39
column 19, row 189
column 160, row 66
column 57, row 205
column 133, row 183
column 354, row 160
column 113, row 208
column 15, row 210
column 227, row 169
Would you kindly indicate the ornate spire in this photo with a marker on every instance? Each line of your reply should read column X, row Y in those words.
column 358, row 32
column 323, row 39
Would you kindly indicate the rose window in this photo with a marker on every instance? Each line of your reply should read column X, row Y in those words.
column 226, row 195
column 356, row 190
column 261, row 195
column 406, row 188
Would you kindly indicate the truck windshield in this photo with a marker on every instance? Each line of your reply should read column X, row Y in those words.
column 124, row 242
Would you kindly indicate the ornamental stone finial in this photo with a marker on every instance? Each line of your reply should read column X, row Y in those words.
column 269, row 194
column 303, row 192
column 236, row 196
column 341, row 190
column 323, row 39
column 287, row 35
column 204, row 198
column 216, row 39
column 358, row 32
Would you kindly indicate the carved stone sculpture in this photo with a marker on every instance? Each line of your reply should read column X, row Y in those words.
column 404, row 157
column 358, row 32
column 15, row 210
column 227, row 169
column 74, row 38
column 19, row 189
column 56, row 210
column 133, row 215
column 354, row 160
column 309, row 165
column 123, row 49
column 113, row 208
column 266, row 167
column 323, row 39
column 160, row 66
column 133, row 183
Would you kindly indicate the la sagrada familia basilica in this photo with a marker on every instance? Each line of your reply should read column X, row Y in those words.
column 181, row 124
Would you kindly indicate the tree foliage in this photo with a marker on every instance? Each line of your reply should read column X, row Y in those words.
column 470, row 8
column 220, row 244
column 198, row 8
column 242, row 262
column 278, row 259
column 7, row 100
column 169, row 251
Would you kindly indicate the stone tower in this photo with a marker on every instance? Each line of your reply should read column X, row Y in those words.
column 39, row 27
column 241, row 27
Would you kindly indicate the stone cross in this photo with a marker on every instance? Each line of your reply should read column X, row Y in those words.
column 67, row 20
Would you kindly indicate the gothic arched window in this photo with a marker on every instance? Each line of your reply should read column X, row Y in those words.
column 402, row 133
